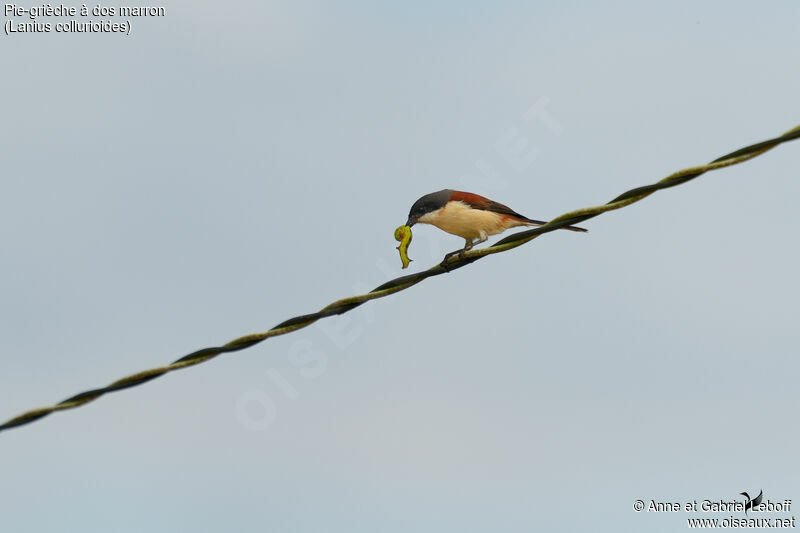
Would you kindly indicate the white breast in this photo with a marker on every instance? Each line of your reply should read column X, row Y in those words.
column 460, row 219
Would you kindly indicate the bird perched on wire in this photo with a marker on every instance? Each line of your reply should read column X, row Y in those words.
column 469, row 216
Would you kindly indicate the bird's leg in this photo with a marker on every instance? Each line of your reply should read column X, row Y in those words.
column 472, row 242
column 483, row 238
column 467, row 245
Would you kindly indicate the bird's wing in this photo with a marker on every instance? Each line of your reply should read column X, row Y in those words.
column 479, row 202
column 757, row 500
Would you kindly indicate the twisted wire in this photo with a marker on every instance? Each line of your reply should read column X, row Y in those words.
column 404, row 282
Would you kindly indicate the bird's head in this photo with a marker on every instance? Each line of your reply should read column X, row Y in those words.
column 427, row 205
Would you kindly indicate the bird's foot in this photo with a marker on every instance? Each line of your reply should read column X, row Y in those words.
column 445, row 264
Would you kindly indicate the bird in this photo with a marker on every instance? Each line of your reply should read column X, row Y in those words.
column 470, row 216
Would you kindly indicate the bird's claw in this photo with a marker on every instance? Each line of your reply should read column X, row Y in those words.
column 445, row 264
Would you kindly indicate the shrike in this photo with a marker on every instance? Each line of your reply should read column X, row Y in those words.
column 468, row 215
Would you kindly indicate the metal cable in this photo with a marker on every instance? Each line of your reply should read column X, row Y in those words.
column 398, row 284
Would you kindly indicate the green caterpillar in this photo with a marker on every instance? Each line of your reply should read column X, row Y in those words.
column 403, row 235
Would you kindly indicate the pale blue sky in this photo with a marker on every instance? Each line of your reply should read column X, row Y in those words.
column 225, row 168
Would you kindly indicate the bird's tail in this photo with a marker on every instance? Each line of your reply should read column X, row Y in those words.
column 542, row 223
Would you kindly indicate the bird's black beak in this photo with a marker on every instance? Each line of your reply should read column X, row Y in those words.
column 411, row 221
